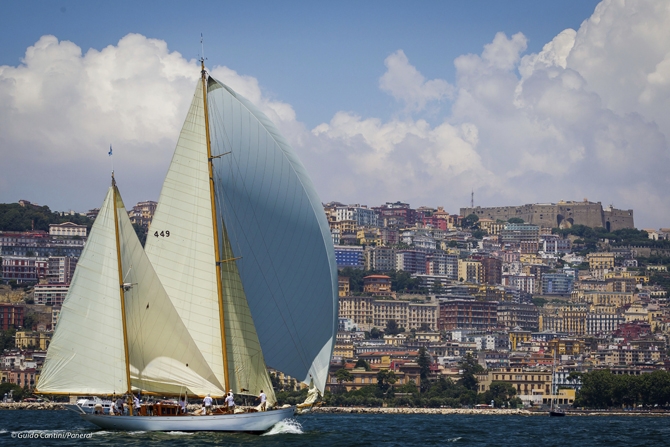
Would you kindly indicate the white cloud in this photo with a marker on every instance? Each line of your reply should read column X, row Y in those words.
column 584, row 117
column 404, row 82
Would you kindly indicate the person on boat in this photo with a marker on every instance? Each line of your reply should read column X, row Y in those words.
column 136, row 405
column 263, row 399
column 231, row 402
column 119, row 406
column 112, row 409
column 182, row 404
column 207, row 403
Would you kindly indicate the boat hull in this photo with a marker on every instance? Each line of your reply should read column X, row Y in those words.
column 242, row 422
column 556, row 413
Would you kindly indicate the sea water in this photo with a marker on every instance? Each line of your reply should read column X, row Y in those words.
column 65, row 428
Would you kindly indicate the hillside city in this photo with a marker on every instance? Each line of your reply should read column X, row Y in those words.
column 514, row 305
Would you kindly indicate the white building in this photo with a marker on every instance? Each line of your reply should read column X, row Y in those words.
column 67, row 229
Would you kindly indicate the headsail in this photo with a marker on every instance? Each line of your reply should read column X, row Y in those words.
column 86, row 354
column 276, row 224
column 163, row 356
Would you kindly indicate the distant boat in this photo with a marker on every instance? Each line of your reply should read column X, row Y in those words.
column 239, row 271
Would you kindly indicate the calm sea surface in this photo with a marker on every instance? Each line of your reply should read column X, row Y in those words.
column 16, row 428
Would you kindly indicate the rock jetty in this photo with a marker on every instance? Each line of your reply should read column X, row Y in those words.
column 401, row 410
column 31, row 406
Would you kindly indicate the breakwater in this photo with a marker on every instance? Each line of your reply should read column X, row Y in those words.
column 484, row 411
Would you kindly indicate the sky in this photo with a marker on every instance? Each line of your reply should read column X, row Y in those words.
column 423, row 102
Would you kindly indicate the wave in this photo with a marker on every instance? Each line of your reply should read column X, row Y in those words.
column 287, row 426
column 454, row 439
column 178, row 433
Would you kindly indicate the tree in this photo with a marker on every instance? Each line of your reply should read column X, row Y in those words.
column 392, row 328
column 385, row 379
column 502, row 394
column 425, row 327
column 362, row 364
column 470, row 221
column 423, row 360
column 342, row 375
column 374, row 333
column 470, row 367
column 515, row 220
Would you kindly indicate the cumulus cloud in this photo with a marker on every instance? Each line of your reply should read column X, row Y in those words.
column 60, row 109
column 584, row 117
column 404, row 82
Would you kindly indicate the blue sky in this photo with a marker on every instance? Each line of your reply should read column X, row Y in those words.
column 520, row 101
column 319, row 56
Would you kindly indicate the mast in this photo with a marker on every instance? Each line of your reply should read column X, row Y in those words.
column 121, row 291
column 215, row 228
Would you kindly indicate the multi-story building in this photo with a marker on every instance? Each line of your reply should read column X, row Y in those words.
column 412, row 261
column 358, row 309
column 556, row 284
column 596, row 298
column 24, row 269
column 602, row 323
column 525, row 316
column 61, row 269
column 554, row 244
column 51, row 294
column 67, row 229
column 524, row 381
column 11, row 316
column 343, row 286
column 143, row 213
column 567, row 319
column 349, row 256
column 377, row 285
column 524, row 236
column 385, row 310
column 442, row 264
column 467, row 313
column 398, row 215
column 522, row 281
column 380, row 259
column 470, row 271
column 422, row 314
column 600, row 260
column 361, row 215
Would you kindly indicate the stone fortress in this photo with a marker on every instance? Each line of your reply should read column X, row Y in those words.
column 561, row 214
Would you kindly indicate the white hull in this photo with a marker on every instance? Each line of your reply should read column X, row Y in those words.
column 242, row 422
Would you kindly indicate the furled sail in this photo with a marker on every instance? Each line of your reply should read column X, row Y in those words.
column 86, row 354
column 276, row 225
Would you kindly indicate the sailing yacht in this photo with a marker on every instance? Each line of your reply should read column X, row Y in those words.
column 238, row 272
column 554, row 411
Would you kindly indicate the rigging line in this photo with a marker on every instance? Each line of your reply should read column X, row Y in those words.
column 298, row 346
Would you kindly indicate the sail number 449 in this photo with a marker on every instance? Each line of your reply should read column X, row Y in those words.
column 165, row 233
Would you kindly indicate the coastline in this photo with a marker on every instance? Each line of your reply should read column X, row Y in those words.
column 487, row 411
column 393, row 410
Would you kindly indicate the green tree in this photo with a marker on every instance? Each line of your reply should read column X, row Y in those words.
column 392, row 328
column 362, row 364
column 515, row 220
column 342, row 375
column 470, row 221
column 502, row 394
column 385, row 380
column 423, row 360
column 470, row 367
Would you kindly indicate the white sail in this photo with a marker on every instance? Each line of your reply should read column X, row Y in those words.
column 185, row 261
column 180, row 243
column 276, row 225
column 86, row 354
column 163, row 356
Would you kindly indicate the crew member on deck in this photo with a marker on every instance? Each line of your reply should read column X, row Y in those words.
column 137, row 405
column 231, row 402
column 207, row 403
column 263, row 399
column 182, row 404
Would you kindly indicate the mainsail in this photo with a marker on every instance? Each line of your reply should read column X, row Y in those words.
column 89, row 353
column 275, row 264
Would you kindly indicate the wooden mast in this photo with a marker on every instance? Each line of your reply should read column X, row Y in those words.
column 121, row 291
column 215, row 227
